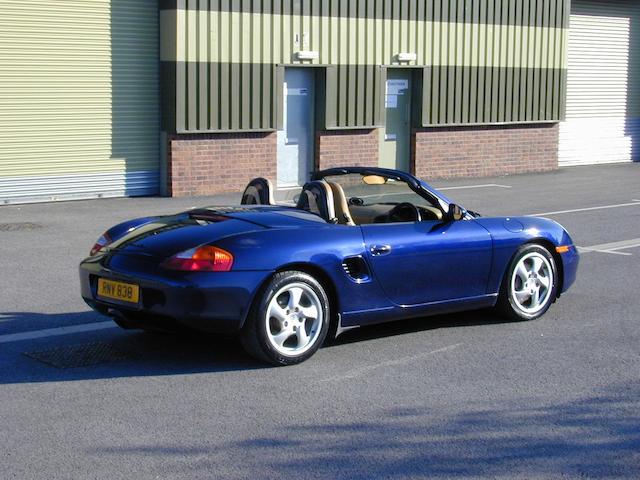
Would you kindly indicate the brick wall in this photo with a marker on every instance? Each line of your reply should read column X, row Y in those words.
column 223, row 163
column 482, row 151
column 220, row 163
column 339, row 148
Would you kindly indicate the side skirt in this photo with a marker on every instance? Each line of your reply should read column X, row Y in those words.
column 370, row 317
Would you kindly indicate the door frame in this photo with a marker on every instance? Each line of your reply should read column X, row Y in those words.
column 415, row 120
column 319, row 105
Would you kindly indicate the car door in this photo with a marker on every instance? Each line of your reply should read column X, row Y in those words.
column 429, row 261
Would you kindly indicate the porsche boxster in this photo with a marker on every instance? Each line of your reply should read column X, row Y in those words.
column 360, row 246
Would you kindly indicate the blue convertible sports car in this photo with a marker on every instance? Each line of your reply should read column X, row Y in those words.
column 362, row 246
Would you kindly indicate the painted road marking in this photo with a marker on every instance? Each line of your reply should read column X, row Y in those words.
column 612, row 252
column 356, row 372
column 464, row 187
column 612, row 247
column 54, row 332
column 602, row 207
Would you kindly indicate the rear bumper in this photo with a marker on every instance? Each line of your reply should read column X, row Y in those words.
column 216, row 302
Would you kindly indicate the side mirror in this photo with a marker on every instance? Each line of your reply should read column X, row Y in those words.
column 455, row 213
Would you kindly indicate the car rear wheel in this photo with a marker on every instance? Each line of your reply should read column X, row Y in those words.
column 529, row 285
column 288, row 321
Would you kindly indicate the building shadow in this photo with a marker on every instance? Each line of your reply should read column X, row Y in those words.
column 135, row 90
column 595, row 435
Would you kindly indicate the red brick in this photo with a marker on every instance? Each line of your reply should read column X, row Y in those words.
column 218, row 163
column 339, row 148
column 482, row 151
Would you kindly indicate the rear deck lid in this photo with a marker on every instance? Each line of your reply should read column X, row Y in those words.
column 169, row 235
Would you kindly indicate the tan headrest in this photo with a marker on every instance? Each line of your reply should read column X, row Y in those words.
column 341, row 206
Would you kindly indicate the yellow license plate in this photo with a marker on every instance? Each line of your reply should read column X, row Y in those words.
column 125, row 292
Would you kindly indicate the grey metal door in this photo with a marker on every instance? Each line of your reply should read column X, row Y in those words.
column 395, row 147
column 296, row 139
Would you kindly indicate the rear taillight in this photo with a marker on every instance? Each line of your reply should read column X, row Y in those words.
column 201, row 259
column 103, row 241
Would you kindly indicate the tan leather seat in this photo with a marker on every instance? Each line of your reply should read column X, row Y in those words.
column 259, row 191
column 317, row 197
column 340, row 205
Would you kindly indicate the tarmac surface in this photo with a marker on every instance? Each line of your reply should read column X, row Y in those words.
column 458, row 396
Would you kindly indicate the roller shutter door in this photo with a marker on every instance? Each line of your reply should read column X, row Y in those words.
column 79, row 106
column 603, row 85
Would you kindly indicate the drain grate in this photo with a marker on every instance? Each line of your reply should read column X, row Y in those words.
column 84, row 355
column 19, row 227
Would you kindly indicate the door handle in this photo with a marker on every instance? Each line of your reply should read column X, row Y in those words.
column 377, row 250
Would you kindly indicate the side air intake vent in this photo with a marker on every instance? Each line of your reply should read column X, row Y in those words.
column 356, row 268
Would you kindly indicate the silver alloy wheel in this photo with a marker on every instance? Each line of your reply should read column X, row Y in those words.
column 532, row 283
column 294, row 319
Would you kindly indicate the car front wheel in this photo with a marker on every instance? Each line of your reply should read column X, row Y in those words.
column 530, row 284
column 289, row 321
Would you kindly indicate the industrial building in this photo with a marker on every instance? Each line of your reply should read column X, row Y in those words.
column 106, row 98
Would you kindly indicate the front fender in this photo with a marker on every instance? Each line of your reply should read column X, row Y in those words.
column 509, row 234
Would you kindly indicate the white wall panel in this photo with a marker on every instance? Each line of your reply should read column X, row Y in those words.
column 603, row 121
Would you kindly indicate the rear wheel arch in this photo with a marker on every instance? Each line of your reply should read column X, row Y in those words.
column 316, row 272
column 325, row 280
column 272, row 335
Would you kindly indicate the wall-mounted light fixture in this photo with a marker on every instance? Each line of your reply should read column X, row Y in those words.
column 406, row 57
column 308, row 55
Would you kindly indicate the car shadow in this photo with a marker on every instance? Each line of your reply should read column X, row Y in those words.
column 115, row 353
column 402, row 327
column 110, row 352
column 13, row 322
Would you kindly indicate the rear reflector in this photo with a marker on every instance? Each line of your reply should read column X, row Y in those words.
column 202, row 259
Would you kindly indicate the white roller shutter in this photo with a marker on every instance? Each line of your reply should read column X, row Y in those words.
column 603, row 121
column 79, row 99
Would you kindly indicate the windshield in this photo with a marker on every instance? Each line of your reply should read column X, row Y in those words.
column 375, row 190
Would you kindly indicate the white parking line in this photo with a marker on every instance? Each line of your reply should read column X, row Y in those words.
column 464, row 187
column 587, row 209
column 54, row 332
column 612, row 252
column 612, row 247
column 356, row 372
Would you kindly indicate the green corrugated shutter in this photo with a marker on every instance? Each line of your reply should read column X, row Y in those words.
column 79, row 106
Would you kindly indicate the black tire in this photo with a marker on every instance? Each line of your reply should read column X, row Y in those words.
column 257, row 340
column 508, row 305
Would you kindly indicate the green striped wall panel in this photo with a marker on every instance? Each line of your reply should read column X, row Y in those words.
column 425, row 10
column 484, row 61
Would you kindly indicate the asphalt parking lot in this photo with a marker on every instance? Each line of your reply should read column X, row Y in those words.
column 458, row 396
